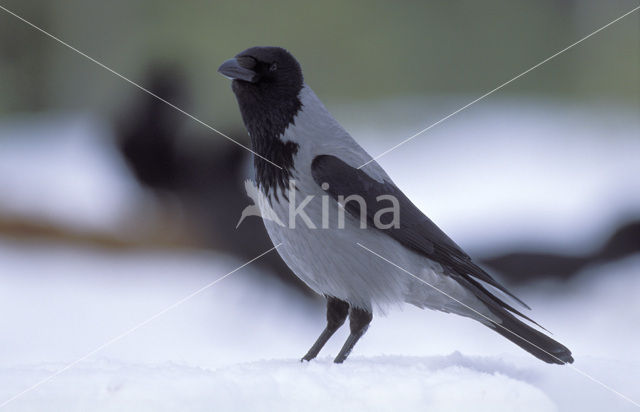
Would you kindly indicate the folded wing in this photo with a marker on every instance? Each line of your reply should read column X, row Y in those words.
column 416, row 231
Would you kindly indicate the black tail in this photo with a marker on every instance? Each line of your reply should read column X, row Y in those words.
column 536, row 343
column 533, row 341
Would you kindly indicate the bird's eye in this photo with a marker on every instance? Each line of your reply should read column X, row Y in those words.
column 273, row 67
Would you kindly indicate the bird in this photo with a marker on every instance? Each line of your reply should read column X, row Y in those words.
column 336, row 202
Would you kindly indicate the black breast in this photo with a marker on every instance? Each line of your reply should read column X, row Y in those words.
column 266, row 117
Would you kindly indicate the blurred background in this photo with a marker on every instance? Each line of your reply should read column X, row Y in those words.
column 113, row 205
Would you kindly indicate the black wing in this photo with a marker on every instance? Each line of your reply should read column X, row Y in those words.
column 415, row 231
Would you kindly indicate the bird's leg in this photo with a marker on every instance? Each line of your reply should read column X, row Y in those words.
column 337, row 311
column 359, row 320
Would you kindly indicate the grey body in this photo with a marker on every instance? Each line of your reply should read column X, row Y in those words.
column 329, row 259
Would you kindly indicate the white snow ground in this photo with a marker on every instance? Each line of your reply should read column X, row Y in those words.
column 551, row 174
column 236, row 345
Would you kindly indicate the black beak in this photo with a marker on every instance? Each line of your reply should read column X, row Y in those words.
column 232, row 69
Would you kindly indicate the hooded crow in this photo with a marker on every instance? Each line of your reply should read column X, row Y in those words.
column 330, row 205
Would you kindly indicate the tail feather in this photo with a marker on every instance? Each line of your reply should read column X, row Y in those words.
column 533, row 341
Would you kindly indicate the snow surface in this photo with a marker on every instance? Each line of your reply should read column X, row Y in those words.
column 236, row 345
column 374, row 384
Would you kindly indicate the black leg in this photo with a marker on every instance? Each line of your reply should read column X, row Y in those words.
column 337, row 311
column 359, row 320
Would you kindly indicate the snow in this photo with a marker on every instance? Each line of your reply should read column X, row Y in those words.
column 63, row 168
column 236, row 345
column 435, row 384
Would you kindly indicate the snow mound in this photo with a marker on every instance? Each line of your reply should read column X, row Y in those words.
column 385, row 383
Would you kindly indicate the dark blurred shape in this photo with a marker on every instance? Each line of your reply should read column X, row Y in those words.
column 524, row 266
column 147, row 136
column 205, row 174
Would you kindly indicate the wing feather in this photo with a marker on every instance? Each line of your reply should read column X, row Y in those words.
column 416, row 231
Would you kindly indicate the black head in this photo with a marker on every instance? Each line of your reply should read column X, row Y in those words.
column 269, row 69
column 267, row 82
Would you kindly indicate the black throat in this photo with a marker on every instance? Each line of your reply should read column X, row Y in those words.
column 266, row 115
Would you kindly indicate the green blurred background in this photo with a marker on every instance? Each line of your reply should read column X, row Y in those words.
column 358, row 50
